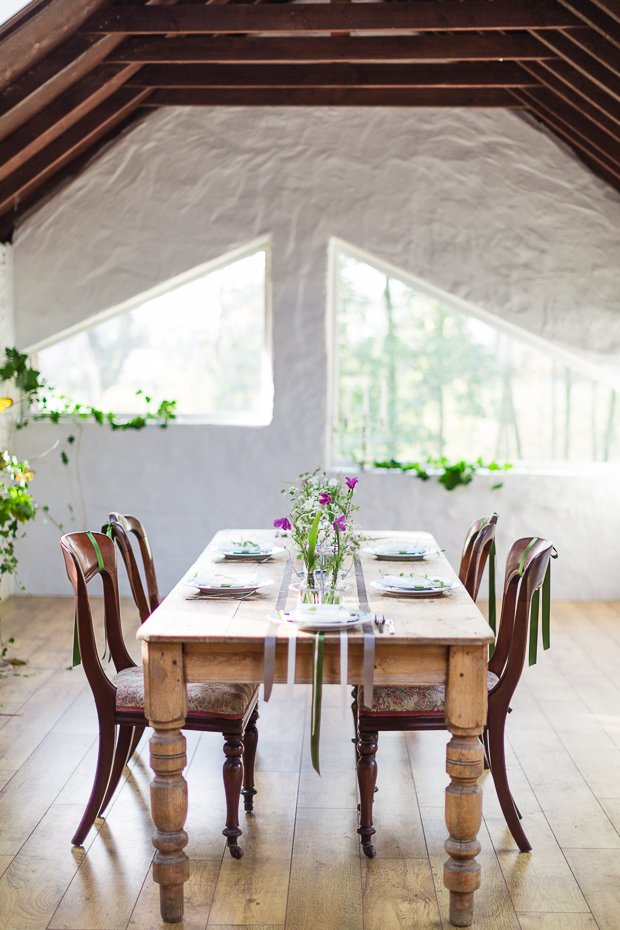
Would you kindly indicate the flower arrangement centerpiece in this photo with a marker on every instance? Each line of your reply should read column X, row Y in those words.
column 322, row 528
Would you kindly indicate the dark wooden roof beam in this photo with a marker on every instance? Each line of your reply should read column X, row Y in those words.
column 612, row 7
column 564, row 48
column 49, row 27
column 92, row 127
column 333, row 97
column 574, row 126
column 292, row 50
column 419, row 16
column 461, row 74
column 593, row 16
column 51, row 77
column 576, row 89
column 554, row 85
column 59, row 115
column 598, row 47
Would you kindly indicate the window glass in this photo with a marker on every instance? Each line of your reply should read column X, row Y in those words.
column 202, row 343
column 416, row 378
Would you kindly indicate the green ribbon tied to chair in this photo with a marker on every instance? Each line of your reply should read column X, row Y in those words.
column 535, row 608
column 317, row 692
column 77, row 658
column 492, row 601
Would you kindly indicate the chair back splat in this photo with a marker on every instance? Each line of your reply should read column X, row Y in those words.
column 476, row 549
column 82, row 566
column 526, row 567
column 122, row 526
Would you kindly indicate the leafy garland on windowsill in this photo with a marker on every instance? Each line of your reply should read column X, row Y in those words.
column 34, row 402
column 451, row 475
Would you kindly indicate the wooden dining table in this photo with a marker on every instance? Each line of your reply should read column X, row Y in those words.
column 438, row 640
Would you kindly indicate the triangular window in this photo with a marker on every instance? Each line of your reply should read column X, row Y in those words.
column 412, row 376
column 201, row 339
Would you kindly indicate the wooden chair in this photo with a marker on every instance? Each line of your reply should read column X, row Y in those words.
column 230, row 709
column 421, row 707
column 476, row 550
column 122, row 526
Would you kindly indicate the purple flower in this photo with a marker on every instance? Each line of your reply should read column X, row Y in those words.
column 325, row 498
column 340, row 523
column 351, row 482
column 282, row 523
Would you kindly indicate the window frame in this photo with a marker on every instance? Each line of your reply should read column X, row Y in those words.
column 564, row 356
column 265, row 414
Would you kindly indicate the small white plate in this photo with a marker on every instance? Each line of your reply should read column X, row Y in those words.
column 385, row 555
column 356, row 617
column 255, row 555
column 394, row 591
column 207, row 584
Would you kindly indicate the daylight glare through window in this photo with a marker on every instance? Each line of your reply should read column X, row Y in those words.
column 202, row 340
column 413, row 377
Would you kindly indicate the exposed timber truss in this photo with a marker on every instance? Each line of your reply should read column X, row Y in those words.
column 75, row 73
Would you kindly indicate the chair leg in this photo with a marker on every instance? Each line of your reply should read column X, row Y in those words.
column 367, row 778
column 354, row 712
column 497, row 762
column 233, row 775
column 250, row 741
column 122, row 755
column 137, row 736
column 102, row 776
column 485, row 743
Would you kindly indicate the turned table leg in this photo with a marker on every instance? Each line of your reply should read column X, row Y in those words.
column 166, row 704
column 466, row 702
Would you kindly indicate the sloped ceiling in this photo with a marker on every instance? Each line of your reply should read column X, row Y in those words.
column 74, row 74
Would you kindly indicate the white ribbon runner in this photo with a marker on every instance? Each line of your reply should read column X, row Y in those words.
column 292, row 652
column 344, row 670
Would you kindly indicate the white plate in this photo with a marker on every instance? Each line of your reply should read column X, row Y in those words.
column 253, row 556
column 356, row 617
column 208, row 584
column 393, row 591
column 385, row 555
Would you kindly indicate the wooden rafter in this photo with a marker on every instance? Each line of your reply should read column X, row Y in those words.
column 59, row 115
column 607, row 117
column 609, row 6
column 594, row 16
column 598, row 47
column 466, row 47
column 419, row 16
column 571, row 125
column 343, row 74
column 95, row 125
column 31, row 200
column 75, row 72
column 583, row 61
column 333, row 97
column 51, row 25
column 559, row 70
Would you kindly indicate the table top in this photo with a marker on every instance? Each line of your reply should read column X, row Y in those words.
column 450, row 619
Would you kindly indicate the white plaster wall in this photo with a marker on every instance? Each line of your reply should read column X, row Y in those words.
column 477, row 202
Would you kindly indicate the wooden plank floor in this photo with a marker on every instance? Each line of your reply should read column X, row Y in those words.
column 302, row 867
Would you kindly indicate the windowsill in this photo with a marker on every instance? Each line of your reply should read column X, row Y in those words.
column 548, row 469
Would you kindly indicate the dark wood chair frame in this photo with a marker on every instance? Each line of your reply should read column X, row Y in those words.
column 240, row 735
column 507, row 663
column 476, row 550
column 122, row 526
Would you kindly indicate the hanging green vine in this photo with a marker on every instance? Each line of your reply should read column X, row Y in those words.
column 451, row 475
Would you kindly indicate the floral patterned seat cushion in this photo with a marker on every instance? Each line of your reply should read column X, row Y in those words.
column 207, row 699
column 410, row 699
